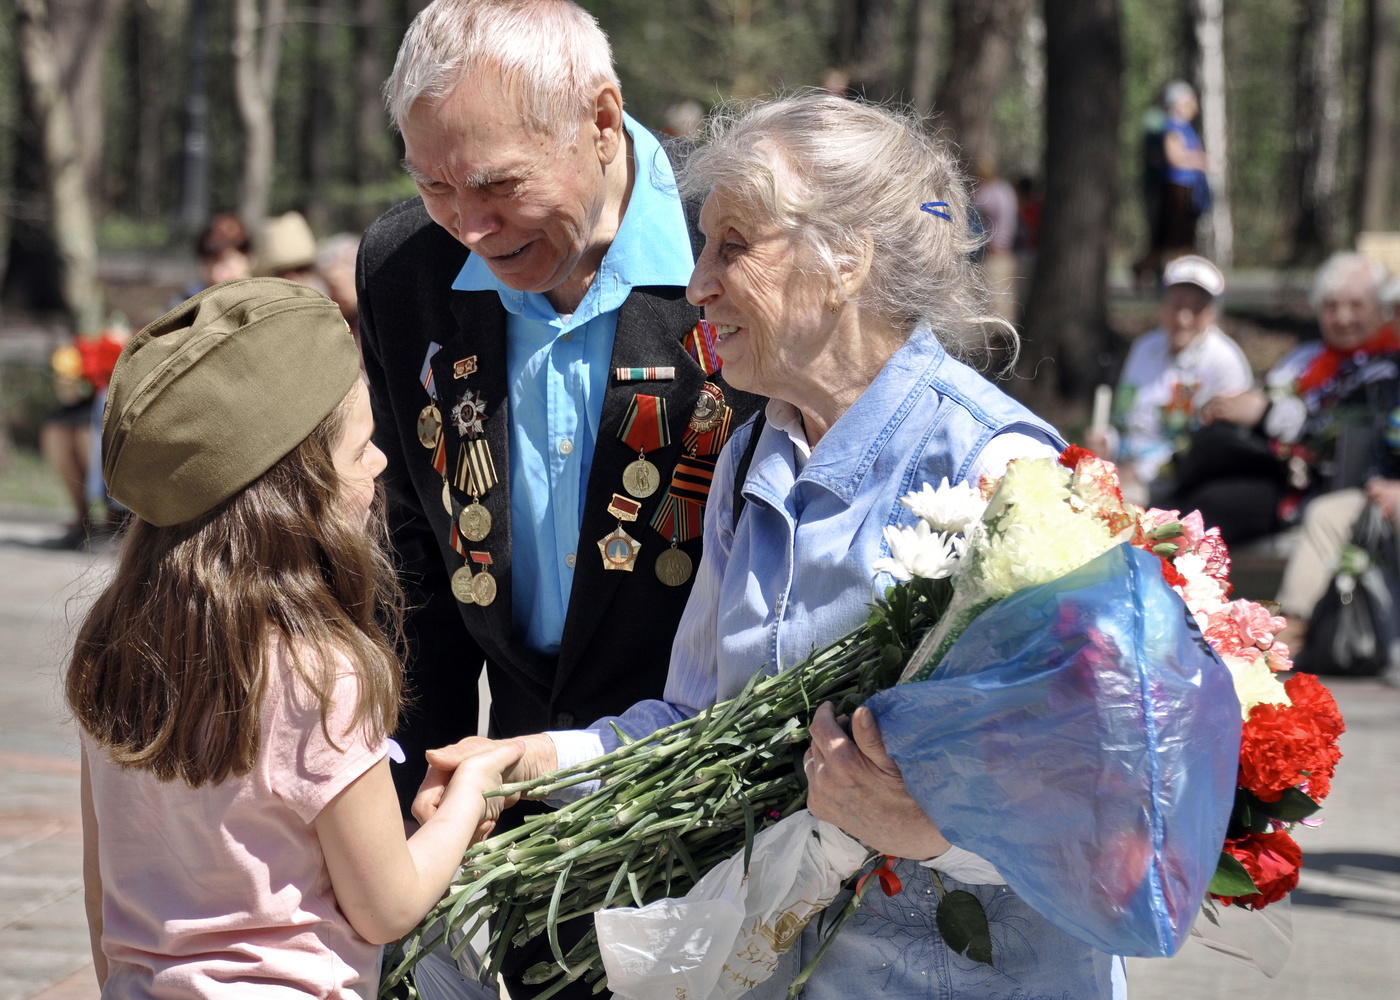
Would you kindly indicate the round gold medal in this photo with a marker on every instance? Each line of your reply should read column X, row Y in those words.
column 463, row 586
column 446, row 498
column 484, row 588
column 429, row 424
column 673, row 567
column 707, row 408
column 474, row 521
column 641, row 479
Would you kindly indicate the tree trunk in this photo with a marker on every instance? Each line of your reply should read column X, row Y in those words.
column 195, row 201
column 81, row 31
column 1378, row 136
column 373, row 152
column 865, row 46
column 257, row 52
column 320, row 112
column 71, row 225
column 985, row 33
column 1066, row 334
column 147, row 65
column 1209, row 16
column 923, row 54
column 1317, row 131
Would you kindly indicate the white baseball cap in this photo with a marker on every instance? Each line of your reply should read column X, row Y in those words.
column 1194, row 270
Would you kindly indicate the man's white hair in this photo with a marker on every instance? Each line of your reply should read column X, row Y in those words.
column 549, row 54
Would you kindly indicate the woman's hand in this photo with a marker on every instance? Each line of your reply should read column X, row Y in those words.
column 537, row 757
column 854, row 784
column 1246, row 408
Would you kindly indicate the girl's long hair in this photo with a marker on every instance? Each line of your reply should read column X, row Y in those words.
column 170, row 665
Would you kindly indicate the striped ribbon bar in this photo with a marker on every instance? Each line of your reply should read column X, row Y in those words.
column 681, row 514
column 711, row 441
column 440, row 455
column 476, row 472
column 664, row 374
column 644, row 427
column 426, row 375
column 700, row 342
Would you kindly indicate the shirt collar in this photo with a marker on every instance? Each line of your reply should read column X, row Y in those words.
column 652, row 246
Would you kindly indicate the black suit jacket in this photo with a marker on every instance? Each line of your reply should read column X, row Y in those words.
column 619, row 625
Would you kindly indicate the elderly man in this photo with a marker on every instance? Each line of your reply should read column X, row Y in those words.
column 549, row 403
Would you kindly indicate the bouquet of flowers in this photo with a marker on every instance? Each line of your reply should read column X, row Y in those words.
column 1039, row 621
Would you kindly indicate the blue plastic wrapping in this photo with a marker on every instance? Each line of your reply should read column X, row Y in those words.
column 1083, row 737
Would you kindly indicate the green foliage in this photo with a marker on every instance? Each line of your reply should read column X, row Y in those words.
column 1230, row 879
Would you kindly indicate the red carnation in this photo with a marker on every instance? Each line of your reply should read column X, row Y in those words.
column 1311, row 695
column 1287, row 745
column 1073, row 455
column 1272, row 860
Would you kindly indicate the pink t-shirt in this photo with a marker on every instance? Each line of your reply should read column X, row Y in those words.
column 222, row 891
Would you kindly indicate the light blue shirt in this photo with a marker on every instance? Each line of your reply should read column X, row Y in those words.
column 795, row 573
column 557, row 367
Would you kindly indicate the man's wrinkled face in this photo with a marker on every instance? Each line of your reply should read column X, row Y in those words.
column 524, row 202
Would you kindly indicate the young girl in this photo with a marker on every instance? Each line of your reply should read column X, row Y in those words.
column 237, row 680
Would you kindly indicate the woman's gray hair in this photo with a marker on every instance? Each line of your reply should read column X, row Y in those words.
column 1175, row 92
column 1335, row 271
column 550, row 53
column 840, row 175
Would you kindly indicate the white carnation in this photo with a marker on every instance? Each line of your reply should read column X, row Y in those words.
column 948, row 508
column 920, row 551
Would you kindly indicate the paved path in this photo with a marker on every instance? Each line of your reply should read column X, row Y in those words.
column 1346, row 915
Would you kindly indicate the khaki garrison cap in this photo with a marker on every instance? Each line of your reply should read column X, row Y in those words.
column 218, row 390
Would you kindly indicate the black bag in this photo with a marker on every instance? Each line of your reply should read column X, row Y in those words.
column 1223, row 450
column 1354, row 629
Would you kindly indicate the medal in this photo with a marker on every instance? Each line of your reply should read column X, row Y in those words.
column 644, row 428
column 462, row 588
column 707, row 407
column 469, row 414
column 710, row 423
column 447, row 498
column 463, row 368
column 623, row 508
column 475, row 521
column 641, row 478
column 483, row 584
column 429, row 426
column 619, row 550
column 700, row 342
column 673, row 567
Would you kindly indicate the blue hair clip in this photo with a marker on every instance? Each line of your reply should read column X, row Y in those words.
column 932, row 208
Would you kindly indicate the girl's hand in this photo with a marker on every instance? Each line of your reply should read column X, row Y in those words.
column 482, row 773
column 854, row 784
column 536, row 756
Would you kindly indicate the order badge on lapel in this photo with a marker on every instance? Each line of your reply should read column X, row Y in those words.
column 619, row 550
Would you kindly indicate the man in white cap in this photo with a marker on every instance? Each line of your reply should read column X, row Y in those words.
column 1171, row 372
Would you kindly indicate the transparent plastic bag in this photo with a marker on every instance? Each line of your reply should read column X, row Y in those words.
column 726, row 935
column 1083, row 738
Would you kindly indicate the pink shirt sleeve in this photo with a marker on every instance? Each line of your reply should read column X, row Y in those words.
column 304, row 768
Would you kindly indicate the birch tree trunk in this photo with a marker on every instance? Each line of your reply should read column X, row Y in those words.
column 985, row 34
column 1318, row 131
column 1378, row 137
column 865, row 46
column 257, row 52
column 71, row 221
column 1066, row 331
column 1209, row 17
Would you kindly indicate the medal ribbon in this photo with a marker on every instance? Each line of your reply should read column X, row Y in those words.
column 426, row 375
column 681, row 515
column 483, row 559
column 711, row 441
column 440, row 456
column 455, row 539
column 644, row 427
column 476, row 472
column 700, row 342
column 655, row 374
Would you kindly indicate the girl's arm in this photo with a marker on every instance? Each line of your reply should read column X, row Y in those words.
column 92, row 877
column 384, row 883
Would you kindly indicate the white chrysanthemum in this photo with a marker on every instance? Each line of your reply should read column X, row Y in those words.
column 948, row 508
column 1035, row 544
column 919, row 551
column 1255, row 683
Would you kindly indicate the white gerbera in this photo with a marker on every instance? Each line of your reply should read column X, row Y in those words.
column 953, row 509
column 920, row 551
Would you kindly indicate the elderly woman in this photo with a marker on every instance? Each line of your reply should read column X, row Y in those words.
column 838, row 275
column 1315, row 411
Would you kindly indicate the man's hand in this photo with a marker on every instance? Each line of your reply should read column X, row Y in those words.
column 537, row 757
column 1385, row 494
column 1247, row 408
column 857, row 786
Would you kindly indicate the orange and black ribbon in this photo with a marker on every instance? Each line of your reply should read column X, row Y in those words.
column 644, row 425
column 681, row 514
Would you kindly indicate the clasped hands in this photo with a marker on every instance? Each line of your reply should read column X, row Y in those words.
column 852, row 783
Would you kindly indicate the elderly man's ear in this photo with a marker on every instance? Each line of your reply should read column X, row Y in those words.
column 607, row 122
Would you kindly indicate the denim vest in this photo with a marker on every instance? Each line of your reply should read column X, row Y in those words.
column 798, row 573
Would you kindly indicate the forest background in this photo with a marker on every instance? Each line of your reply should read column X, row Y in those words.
column 125, row 123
